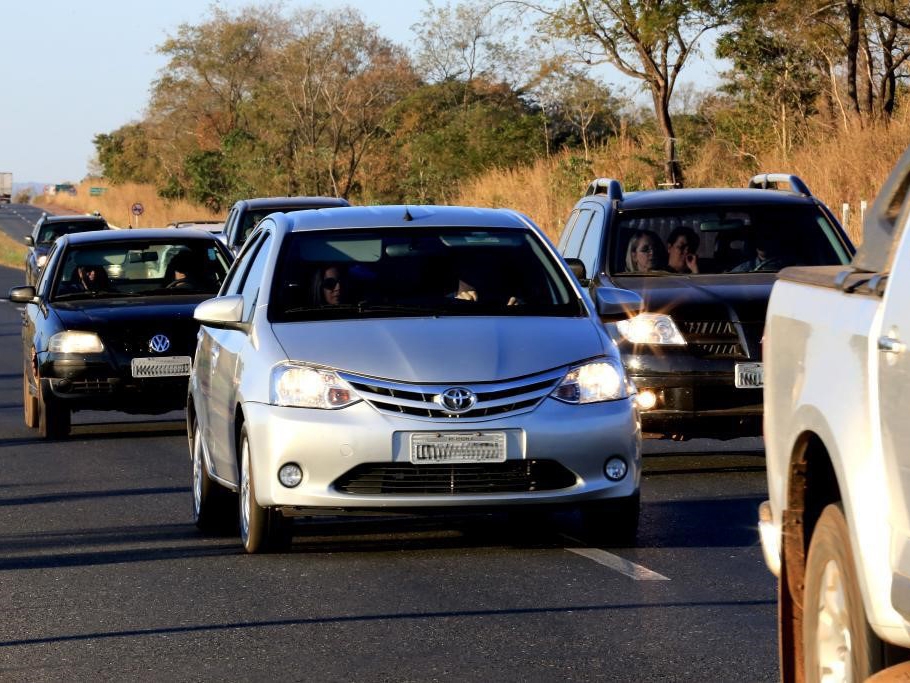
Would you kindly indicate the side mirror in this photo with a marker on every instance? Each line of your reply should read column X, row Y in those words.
column 617, row 304
column 222, row 311
column 29, row 240
column 22, row 295
column 577, row 266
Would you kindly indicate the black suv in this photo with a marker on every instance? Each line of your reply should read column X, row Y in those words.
column 704, row 262
column 47, row 229
column 246, row 214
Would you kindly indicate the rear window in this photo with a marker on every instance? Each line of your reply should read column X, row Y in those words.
column 51, row 231
column 733, row 239
column 370, row 273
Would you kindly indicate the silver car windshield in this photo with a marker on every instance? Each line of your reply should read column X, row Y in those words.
column 343, row 274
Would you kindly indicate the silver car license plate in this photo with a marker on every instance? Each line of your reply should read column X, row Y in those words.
column 749, row 376
column 455, row 447
column 162, row 366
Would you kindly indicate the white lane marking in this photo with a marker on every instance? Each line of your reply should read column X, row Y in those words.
column 630, row 569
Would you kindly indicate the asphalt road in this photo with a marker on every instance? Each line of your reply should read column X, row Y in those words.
column 103, row 575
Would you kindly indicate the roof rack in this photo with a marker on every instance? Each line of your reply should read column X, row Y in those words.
column 610, row 187
column 764, row 180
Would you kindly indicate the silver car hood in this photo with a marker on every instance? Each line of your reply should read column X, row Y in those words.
column 443, row 350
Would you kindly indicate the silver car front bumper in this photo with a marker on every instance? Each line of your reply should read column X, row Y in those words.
column 327, row 444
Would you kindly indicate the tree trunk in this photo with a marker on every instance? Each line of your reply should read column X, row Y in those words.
column 853, row 23
column 672, row 167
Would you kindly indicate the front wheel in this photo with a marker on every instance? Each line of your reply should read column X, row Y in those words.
column 53, row 417
column 838, row 644
column 261, row 529
column 213, row 506
column 29, row 403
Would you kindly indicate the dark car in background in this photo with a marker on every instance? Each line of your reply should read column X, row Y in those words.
column 47, row 229
column 110, row 325
column 246, row 214
column 704, row 262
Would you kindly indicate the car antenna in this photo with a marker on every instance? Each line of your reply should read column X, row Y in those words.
column 407, row 215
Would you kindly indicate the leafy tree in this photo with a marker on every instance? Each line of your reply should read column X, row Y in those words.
column 125, row 155
column 647, row 40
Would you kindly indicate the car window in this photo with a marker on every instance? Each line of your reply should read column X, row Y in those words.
column 139, row 268
column 590, row 246
column 252, row 280
column 41, row 287
column 730, row 239
column 241, row 264
column 573, row 244
column 428, row 271
column 51, row 231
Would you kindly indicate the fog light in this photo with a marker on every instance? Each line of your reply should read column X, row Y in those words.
column 616, row 468
column 290, row 475
column 646, row 399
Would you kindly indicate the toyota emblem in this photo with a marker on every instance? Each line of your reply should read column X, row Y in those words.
column 457, row 400
column 159, row 343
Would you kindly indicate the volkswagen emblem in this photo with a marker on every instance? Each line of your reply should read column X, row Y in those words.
column 457, row 400
column 159, row 343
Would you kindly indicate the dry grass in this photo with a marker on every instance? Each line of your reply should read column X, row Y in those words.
column 845, row 166
column 12, row 253
column 848, row 164
column 115, row 201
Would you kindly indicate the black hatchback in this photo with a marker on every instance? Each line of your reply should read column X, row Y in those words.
column 703, row 261
column 109, row 325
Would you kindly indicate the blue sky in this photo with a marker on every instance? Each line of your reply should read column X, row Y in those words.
column 74, row 68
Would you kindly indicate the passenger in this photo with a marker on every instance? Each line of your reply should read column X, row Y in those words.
column 329, row 286
column 182, row 272
column 645, row 252
column 768, row 257
column 92, row 278
column 682, row 248
column 466, row 290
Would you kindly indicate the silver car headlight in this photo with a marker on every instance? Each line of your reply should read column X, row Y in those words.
column 651, row 328
column 305, row 386
column 599, row 381
column 41, row 260
column 71, row 341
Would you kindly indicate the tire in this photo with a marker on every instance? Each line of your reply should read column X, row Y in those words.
column 261, row 529
column 53, row 417
column 611, row 522
column 214, row 507
column 29, row 402
column 838, row 644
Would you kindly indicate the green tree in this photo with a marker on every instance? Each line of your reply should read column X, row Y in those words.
column 647, row 40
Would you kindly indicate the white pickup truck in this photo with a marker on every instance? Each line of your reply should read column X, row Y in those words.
column 836, row 527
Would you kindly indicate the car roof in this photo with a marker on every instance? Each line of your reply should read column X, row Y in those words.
column 139, row 235
column 278, row 202
column 685, row 198
column 79, row 217
column 402, row 216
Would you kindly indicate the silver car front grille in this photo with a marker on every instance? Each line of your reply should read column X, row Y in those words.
column 493, row 399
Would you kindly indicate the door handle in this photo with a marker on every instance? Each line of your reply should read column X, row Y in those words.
column 891, row 345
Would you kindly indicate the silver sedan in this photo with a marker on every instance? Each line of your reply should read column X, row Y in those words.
column 405, row 359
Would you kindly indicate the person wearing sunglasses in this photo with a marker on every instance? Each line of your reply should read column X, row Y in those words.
column 645, row 252
column 329, row 289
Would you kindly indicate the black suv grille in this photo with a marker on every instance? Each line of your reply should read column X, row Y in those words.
column 514, row 476
column 713, row 338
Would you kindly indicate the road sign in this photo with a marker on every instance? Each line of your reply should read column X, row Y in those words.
column 96, row 191
column 137, row 209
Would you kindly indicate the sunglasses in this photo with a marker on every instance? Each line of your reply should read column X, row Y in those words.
column 645, row 249
column 331, row 282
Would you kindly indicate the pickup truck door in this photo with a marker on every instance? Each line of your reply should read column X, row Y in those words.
column 892, row 349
